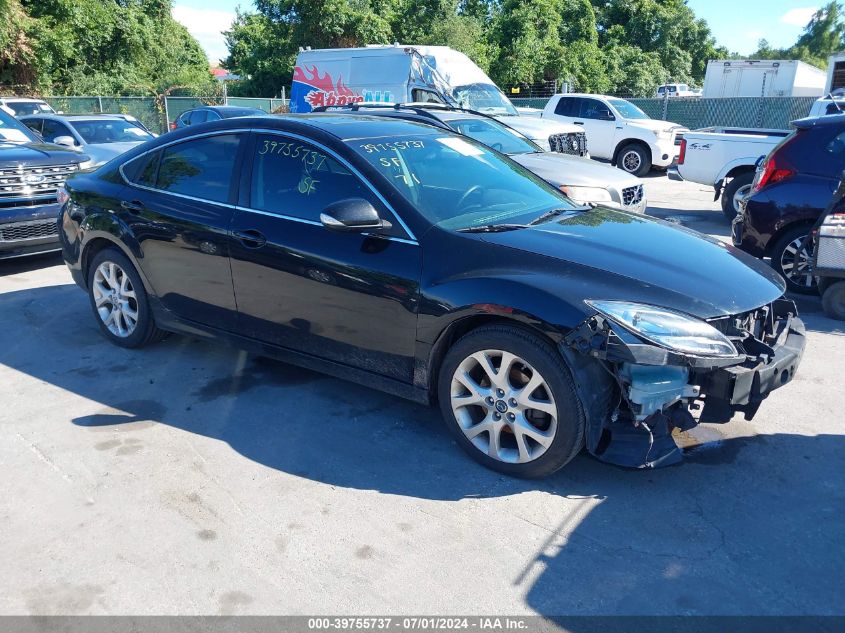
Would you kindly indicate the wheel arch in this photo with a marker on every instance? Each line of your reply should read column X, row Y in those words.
column 97, row 241
column 777, row 235
column 462, row 326
column 631, row 141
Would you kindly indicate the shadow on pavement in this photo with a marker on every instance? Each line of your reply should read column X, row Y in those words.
column 18, row 265
column 746, row 525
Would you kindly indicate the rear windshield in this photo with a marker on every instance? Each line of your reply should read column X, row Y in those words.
column 458, row 183
column 23, row 108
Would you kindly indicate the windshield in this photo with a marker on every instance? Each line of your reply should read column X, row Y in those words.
column 13, row 131
column 485, row 98
column 457, row 183
column 494, row 134
column 109, row 131
column 23, row 108
column 627, row 109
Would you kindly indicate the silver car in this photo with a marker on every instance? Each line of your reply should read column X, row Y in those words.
column 101, row 136
column 582, row 179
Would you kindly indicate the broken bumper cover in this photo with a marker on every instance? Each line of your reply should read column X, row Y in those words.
column 770, row 342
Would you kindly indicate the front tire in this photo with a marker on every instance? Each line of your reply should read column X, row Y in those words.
column 508, row 398
column 119, row 301
column 734, row 191
column 634, row 159
column 792, row 257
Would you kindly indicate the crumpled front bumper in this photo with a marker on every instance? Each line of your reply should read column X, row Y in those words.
column 716, row 390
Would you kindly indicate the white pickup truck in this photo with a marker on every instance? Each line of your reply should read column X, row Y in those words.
column 725, row 158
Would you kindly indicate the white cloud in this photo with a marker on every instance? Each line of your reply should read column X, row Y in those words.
column 206, row 25
column 799, row 16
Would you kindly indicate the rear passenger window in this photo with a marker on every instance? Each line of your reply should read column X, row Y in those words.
column 567, row 106
column 201, row 168
column 198, row 116
column 142, row 170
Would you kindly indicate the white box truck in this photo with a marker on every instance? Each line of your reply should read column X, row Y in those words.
column 406, row 74
column 762, row 78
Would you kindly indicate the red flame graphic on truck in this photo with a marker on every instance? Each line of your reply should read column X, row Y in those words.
column 326, row 92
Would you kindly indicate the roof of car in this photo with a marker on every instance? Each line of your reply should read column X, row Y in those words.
column 344, row 126
column 72, row 117
column 819, row 121
column 23, row 99
column 225, row 108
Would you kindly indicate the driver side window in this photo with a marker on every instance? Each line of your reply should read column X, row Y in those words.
column 296, row 179
column 594, row 109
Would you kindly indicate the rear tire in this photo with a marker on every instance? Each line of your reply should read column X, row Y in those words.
column 634, row 159
column 833, row 300
column 492, row 414
column 119, row 301
column 738, row 187
column 793, row 263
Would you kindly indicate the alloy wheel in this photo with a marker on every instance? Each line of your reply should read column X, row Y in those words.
column 631, row 161
column 115, row 299
column 504, row 406
column 795, row 262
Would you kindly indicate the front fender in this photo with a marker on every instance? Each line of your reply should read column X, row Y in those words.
column 516, row 298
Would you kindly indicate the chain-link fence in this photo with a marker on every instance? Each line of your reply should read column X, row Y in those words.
column 157, row 113
column 696, row 112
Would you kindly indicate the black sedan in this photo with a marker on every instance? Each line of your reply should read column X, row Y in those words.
column 422, row 263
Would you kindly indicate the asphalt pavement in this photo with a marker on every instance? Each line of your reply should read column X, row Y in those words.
column 193, row 478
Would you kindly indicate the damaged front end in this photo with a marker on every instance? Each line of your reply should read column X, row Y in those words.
column 646, row 371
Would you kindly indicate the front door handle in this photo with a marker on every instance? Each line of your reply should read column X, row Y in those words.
column 578, row 122
column 135, row 206
column 251, row 238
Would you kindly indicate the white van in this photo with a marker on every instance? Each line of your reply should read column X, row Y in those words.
column 405, row 74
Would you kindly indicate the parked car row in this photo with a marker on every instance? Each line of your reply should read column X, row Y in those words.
column 383, row 246
column 31, row 172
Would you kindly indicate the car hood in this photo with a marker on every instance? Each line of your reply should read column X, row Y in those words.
column 535, row 127
column 14, row 154
column 102, row 152
column 562, row 169
column 653, row 124
column 614, row 255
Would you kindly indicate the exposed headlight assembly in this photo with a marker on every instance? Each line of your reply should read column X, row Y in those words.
column 587, row 194
column 667, row 328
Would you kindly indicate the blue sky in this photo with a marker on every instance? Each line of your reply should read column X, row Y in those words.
column 737, row 24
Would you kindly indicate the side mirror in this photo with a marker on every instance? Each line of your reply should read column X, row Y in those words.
column 66, row 141
column 353, row 215
column 606, row 116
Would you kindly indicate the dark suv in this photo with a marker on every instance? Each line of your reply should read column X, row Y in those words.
column 31, row 173
column 792, row 187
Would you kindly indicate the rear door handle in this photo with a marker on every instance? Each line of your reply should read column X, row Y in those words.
column 578, row 122
column 251, row 238
column 133, row 207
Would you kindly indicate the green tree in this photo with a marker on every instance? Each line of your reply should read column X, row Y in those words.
column 823, row 35
column 100, row 47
